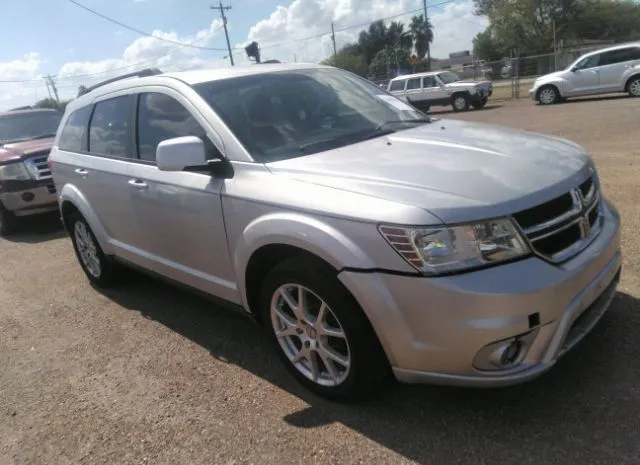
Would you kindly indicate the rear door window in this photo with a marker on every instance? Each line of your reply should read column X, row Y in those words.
column 413, row 84
column 109, row 130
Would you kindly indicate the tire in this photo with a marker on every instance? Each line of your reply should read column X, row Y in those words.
column 460, row 102
column 100, row 270
column 548, row 95
column 633, row 86
column 479, row 104
column 8, row 222
column 358, row 345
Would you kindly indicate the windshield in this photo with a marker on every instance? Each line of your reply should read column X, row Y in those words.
column 448, row 77
column 287, row 114
column 26, row 126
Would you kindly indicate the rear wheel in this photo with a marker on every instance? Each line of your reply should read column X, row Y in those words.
column 8, row 222
column 320, row 332
column 479, row 104
column 634, row 87
column 548, row 95
column 460, row 102
column 99, row 269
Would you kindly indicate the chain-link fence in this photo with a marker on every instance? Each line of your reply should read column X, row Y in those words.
column 512, row 77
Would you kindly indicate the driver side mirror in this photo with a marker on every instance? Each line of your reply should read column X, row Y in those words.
column 181, row 152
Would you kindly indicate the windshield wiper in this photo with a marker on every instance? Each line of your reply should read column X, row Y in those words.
column 15, row 141
column 403, row 121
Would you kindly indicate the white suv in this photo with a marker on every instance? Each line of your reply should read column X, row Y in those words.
column 613, row 69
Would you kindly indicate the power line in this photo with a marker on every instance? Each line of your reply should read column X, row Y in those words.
column 126, row 26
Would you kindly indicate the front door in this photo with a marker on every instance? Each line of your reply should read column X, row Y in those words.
column 181, row 232
column 435, row 91
column 584, row 79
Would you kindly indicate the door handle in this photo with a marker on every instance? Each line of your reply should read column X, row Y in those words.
column 81, row 171
column 138, row 184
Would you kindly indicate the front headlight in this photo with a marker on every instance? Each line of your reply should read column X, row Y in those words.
column 446, row 249
column 14, row 172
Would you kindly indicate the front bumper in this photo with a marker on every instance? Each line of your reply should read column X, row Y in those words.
column 436, row 330
column 24, row 198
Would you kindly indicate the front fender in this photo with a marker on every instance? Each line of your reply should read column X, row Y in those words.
column 70, row 193
column 301, row 231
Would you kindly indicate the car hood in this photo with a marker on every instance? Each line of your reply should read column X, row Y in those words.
column 21, row 150
column 456, row 170
column 555, row 74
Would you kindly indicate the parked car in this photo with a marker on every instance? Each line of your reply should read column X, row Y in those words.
column 613, row 69
column 368, row 238
column 26, row 187
column 441, row 88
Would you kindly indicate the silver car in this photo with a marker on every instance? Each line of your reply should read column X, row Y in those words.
column 613, row 69
column 369, row 239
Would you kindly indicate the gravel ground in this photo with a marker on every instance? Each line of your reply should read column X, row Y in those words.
column 148, row 374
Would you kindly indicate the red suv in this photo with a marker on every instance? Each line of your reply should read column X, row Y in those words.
column 26, row 187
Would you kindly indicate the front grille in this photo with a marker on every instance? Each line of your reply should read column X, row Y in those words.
column 561, row 227
column 39, row 167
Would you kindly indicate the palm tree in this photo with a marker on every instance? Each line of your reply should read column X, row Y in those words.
column 422, row 35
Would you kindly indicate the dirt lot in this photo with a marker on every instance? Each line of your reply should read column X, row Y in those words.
column 151, row 375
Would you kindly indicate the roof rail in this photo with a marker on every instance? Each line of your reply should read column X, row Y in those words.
column 142, row 73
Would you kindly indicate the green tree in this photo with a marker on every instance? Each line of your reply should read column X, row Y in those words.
column 350, row 59
column 373, row 40
column 387, row 61
column 421, row 34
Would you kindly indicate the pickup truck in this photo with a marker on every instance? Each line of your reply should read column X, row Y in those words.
column 443, row 88
column 26, row 186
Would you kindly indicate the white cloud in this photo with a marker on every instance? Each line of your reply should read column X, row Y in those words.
column 455, row 25
column 279, row 36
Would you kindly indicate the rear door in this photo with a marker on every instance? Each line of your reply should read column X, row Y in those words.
column 414, row 90
column 614, row 64
column 99, row 161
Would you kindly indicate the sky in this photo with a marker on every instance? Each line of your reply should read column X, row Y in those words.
column 74, row 46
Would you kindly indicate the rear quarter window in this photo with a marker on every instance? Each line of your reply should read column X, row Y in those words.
column 397, row 85
column 73, row 131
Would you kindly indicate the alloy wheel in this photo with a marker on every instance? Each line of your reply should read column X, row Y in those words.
column 87, row 249
column 547, row 96
column 310, row 335
column 634, row 88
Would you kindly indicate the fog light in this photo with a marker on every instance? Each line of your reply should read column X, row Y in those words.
column 506, row 354
column 28, row 196
column 511, row 353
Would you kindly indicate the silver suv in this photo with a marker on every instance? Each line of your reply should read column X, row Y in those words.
column 613, row 69
column 368, row 238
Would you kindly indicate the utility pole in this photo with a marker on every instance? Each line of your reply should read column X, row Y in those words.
column 555, row 48
column 53, row 87
column 426, row 33
column 224, row 23
column 333, row 39
column 46, row 82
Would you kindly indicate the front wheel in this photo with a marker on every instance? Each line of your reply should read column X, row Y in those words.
column 319, row 331
column 460, row 102
column 479, row 104
column 548, row 95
